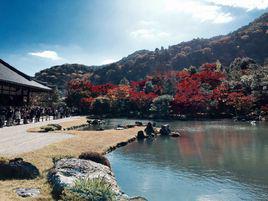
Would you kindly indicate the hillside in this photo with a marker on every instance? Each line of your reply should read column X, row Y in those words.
column 248, row 41
column 60, row 75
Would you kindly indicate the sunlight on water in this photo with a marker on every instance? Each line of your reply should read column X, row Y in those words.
column 221, row 161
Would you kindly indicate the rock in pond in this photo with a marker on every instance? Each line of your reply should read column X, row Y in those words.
column 138, row 123
column 175, row 134
column 165, row 130
column 67, row 171
column 119, row 127
column 149, row 130
column 137, row 199
column 28, row 192
column 141, row 135
column 18, row 169
column 133, row 199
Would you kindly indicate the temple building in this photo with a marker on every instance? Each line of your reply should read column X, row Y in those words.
column 16, row 88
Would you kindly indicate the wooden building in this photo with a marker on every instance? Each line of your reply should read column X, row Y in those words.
column 17, row 87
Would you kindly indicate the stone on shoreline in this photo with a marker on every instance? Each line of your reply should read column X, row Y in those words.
column 95, row 121
column 165, row 130
column 133, row 199
column 149, row 130
column 67, row 171
column 141, row 135
column 138, row 123
column 175, row 134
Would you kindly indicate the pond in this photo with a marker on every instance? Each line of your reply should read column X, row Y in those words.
column 213, row 160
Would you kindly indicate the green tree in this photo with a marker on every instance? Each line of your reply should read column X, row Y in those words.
column 149, row 87
column 161, row 106
column 101, row 105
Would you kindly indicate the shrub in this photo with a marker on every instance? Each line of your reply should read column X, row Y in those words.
column 59, row 157
column 3, row 160
column 47, row 128
column 56, row 126
column 51, row 127
column 96, row 157
column 17, row 169
column 89, row 190
column 161, row 105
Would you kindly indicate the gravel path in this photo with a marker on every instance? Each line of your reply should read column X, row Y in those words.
column 15, row 140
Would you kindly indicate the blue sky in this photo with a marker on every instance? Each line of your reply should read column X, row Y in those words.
column 36, row 34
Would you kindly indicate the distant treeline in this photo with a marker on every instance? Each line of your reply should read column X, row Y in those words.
column 207, row 91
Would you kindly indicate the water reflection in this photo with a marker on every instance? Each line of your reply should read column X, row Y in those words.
column 212, row 161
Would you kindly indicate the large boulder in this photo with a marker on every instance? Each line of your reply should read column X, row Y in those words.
column 96, row 157
column 67, row 171
column 175, row 134
column 165, row 130
column 18, row 169
column 149, row 130
column 138, row 123
column 141, row 135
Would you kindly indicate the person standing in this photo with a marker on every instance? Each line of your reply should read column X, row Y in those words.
column 2, row 116
column 9, row 116
column 17, row 116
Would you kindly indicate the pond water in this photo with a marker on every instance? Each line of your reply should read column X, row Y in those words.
column 213, row 161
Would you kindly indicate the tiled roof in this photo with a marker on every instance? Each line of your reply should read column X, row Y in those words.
column 11, row 75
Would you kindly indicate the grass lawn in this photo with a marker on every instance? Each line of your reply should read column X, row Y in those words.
column 98, row 141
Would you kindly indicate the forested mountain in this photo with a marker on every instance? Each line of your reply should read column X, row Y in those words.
column 248, row 41
column 60, row 75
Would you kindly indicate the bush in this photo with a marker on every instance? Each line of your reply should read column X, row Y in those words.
column 96, row 157
column 51, row 127
column 161, row 106
column 56, row 126
column 3, row 160
column 17, row 169
column 89, row 190
column 59, row 157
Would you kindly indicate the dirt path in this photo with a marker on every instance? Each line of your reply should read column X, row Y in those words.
column 70, row 144
column 15, row 140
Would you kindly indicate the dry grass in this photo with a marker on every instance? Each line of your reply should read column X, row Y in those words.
column 96, row 141
column 67, row 124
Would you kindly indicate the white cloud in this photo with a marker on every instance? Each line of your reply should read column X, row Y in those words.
column 47, row 54
column 149, row 34
column 245, row 4
column 147, row 23
column 199, row 10
column 108, row 61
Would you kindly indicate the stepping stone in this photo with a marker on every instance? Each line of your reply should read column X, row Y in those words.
column 28, row 192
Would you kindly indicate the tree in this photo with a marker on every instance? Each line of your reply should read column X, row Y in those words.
column 141, row 101
column 119, row 98
column 149, row 87
column 51, row 99
column 161, row 106
column 241, row 103
column 124, row 81
column 101, row 105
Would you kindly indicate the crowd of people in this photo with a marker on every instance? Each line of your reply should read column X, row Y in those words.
column 10, row 116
